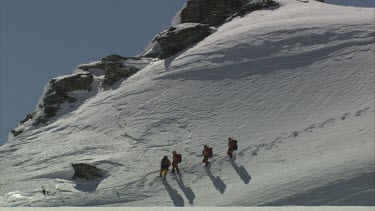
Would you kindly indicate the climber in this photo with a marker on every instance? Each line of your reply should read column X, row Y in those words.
column 207, row 153
column 232, row 145
column 176, row 160
column 44, row 192
column 165, row 163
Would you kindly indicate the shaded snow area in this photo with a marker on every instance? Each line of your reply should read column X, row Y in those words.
column 294, row 86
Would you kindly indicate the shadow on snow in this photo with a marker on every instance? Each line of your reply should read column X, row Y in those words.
column 218, row 183
column 177, row 199
column 241, row 171
column 187, row 190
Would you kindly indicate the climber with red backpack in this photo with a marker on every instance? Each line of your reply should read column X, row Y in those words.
column 232, row 146
column 176, row 160
column 207, row 153
column 165, row 163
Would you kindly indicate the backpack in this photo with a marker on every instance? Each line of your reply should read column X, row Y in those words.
column 164, row 164
column 235, row 147
column 209, row 152
column 179, row 158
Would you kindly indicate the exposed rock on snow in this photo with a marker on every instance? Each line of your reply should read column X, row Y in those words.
column 16, row 132
column 115, row 72
column 90, row 66
column 57, row 92
column 177, row 38
column 211, row 12
column 61, row 90
column 115, row 67
column 67, row 84
column 28, row 117
column 253, row 6
column 113, row 58
column 206, row 12
column 86, row 171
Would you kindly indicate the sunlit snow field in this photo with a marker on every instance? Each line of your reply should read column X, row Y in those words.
column 294, row 86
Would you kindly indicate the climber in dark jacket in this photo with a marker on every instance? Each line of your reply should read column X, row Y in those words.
column 205, row 153
column 165, row 163
column 175, row 163
column 230, row 147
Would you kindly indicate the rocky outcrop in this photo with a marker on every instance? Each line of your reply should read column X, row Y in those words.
column 59, row 91
column 115, row 67
column 16, row 132
column 117, row 71
column 217, row 12
column 177, row 38
column 253, row 6
column 114, row 58
column 192, row 24
column 87, row 172
column 28, row 117
column 89, row 66
column 81, row 81
column 211, row 12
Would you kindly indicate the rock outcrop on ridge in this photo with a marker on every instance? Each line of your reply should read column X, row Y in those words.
column 58, row 91
column 211, row 12
column 115, row 67
column 177, row 38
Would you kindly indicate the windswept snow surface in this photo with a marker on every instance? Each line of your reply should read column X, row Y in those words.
column 294, row 85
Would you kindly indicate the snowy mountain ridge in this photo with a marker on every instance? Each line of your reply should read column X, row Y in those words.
column 294, row 85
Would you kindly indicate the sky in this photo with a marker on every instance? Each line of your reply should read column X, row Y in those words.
column 42, row 39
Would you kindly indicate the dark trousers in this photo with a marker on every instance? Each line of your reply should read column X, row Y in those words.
column 205, row 160
column 175, row 167
column 230, row 152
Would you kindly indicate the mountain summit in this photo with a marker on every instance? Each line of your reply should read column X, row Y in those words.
column 291, row 81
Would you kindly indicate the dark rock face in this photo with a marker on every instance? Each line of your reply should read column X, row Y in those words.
column 59, row 92
column 117, row 58
column 195, row 20
column 115, row 72
column 87, row 67
column 28, row 117
column 86, row 171
column 16, row 132
column 179, row 37
column 116, row 67
column 253, row 6
column 81, row 81
column 211, row 12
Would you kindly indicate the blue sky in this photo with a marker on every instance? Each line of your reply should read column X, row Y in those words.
column 42, row 39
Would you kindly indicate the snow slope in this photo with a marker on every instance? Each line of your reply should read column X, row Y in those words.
column 294, row 85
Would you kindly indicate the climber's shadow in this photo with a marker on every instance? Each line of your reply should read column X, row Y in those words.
column 177, row 199
column 187, row 190
column 218, row 183
column 241, row 171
